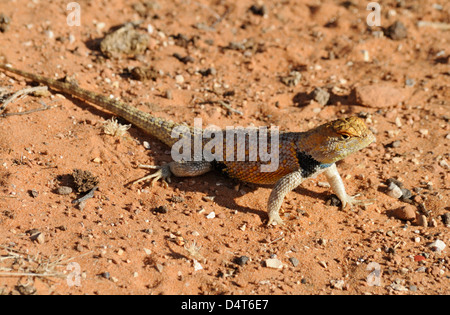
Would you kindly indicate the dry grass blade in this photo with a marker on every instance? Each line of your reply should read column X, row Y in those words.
column 19, row 264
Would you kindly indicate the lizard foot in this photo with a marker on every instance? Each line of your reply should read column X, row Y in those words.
column 163, row 173
column 275, row 219
column 352, row 201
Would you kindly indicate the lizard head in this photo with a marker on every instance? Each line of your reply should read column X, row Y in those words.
column 335, row 140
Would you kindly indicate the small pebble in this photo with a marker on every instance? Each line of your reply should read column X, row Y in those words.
column 292, row 79
column 294, row 261
column 208, row 71
column 334, row 201
column 150, row 29
column 208, row 198
column 419, row 258
column 410, row 82
column 323, row 264
column 169, row 94
column 398, row 287
column 337, row 284
column 437, row 246
column 26, row 289
column 161, row 209
column 159, row 267
column 394, row 191
column 394, row 144
column 421, row 220
column 421, row 269
column 179, row 79
column 406, row 193
column 260, row 10
column 437, row 6
column 395, row 181
column 106, row 275
column 407, row 213
column 396, row 31
column 274, row 263
column 34, row 193
column 446, row 219
column 366, row 56
column 443, row 163
column 185, row 59
column 197, row 266
column 242, row 260
column 64, row 190
column 38, row 237
column 321, row 96
column 4, row 22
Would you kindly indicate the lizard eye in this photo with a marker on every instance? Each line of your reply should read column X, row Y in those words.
column 345, row 136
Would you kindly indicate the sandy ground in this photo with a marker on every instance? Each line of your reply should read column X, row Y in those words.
column 265, row 58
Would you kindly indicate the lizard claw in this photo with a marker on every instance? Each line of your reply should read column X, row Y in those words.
column 163, row 173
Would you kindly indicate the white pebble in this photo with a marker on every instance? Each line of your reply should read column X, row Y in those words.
column 274, row 263
column 212, row 215
column 394, row 191
column 197, row 265
column 437, row 246
column 71, row 39
column 443, row 163
column 100, row 26
column 179, row 79
column 150, row 29
column 49, row 34
column 366, row 56
column 337, row 284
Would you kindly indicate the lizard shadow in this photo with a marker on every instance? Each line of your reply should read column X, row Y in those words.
column 225, row 195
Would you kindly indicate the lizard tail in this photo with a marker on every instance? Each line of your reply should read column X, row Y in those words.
column 157, row 127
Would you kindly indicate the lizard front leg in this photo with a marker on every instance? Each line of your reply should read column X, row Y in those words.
column 284, row 185
column 178, row 169
column 337, row 185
